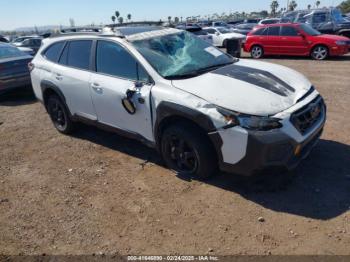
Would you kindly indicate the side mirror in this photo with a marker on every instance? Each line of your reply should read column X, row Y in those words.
column 217, row 34
column 301, row 35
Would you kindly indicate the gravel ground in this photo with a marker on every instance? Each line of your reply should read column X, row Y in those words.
column 96, row 192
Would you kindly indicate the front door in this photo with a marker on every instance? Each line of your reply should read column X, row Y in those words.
column 117, row 71
column 292, row 42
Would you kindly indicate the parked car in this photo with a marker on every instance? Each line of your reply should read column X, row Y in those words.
column 3, row 39
column 221, row 35
column 243, row 29
column 27, row 50
column 14, row 71
column 198, row 31
column 244, row 21
column 269, row 21
column 294, row 39
column 33, row 43
column 201, row 108
column 326, row 20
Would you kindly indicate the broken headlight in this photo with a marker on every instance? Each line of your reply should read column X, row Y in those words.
column 257, row 123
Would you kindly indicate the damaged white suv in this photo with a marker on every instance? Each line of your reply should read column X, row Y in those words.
column 200, row 108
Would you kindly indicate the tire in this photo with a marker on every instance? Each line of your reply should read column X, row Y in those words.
column 188, row 152
column 59, row 115
column 319, row 52
column 257, row 52
column 224, row 44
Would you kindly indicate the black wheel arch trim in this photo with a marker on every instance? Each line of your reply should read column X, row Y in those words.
column 167, row 110
column 48, row 85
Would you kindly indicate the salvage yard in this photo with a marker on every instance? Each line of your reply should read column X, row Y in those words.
column 97, row 192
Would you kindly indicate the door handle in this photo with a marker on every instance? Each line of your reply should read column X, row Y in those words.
column 97, row 87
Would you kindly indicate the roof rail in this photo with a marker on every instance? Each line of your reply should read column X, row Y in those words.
column 98, row 31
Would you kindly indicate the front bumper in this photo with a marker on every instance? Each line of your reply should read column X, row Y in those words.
column 274, row 150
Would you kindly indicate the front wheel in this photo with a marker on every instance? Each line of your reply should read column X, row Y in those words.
column 319, row 52
column 187, row 152
column 257, row 52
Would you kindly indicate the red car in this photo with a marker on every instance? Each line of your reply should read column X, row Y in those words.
column 294, row 39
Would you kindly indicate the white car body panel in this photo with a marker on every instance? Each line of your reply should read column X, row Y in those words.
column 219, row 38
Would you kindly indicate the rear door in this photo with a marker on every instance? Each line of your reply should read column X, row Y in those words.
column 292, row 42
column 273, row 42
column 72, row 75
column 118, row 71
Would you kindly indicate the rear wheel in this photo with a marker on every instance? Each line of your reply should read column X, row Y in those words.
column 224, row 44
column 257, row 52
column 59, row 115
column 187, row 152
column 319, row 52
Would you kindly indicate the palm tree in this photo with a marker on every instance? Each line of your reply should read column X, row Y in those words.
column 120, row 20
column 129, row 17
column 169, row 19
column 308, row 7
column 113, row 19
column 292, row 5
column 318, row 3
column 117, row 14
column 274, row 6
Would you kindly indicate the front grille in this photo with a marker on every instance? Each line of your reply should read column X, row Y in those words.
column 305, row 118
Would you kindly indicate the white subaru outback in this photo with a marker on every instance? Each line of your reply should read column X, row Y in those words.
column 199, row 107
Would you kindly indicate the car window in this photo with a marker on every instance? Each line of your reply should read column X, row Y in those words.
column 7, row 51
column 274, row 31
column 211, row 31
column 53, row 52
column 113, row 59
column 79, row 54
column 261, row 31
column 288, row 31
column 319, row 18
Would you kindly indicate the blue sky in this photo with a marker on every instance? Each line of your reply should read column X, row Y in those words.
column 25, row 13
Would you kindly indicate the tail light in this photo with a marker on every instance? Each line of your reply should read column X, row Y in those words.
column 30, row 66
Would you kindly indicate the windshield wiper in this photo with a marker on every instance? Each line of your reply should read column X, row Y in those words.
column 198, row 72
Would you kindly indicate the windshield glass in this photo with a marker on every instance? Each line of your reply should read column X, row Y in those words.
column 224, row 31
column 9, row 51
column 309, row 30
column 180, row 54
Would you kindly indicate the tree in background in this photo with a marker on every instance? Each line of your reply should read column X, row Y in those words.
column 117, row 14
column 177, row 20
column 274, row 6
column 113, row 19
column 120, row 20
column 169, row 19
column 318, row 3
column 345, row 6
column 308, row 7
column 129, row 17
column 292, row 5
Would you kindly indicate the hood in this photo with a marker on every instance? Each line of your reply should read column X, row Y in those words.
column 249, row 87
column 334, row 37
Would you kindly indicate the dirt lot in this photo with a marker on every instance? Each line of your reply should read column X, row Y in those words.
column 97, row 192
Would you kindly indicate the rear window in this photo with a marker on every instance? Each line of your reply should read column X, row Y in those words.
column 274, row 31
column 53, row 52
column 288, row 31
column 78, row 54
column 9, row 52
column 261, row 31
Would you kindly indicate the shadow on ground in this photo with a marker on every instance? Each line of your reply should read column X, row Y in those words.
column 320, row 188
column 18, row 97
